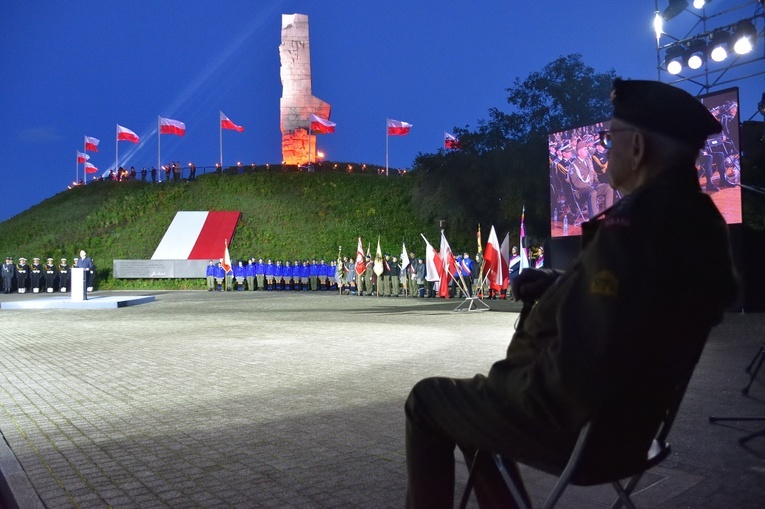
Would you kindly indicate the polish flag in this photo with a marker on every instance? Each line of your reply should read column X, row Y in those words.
column 125, row 134
column 451, row 141
column 361, row 265
column 450, row 267
column 398, row 128
column 434, row 267
column 226, row 263
column 169, row 126
column 321, row 125
column 226, row 123
column 492, row 261
column 81, row 157
column 89, row 168
column 91, row 144
column 196, row 235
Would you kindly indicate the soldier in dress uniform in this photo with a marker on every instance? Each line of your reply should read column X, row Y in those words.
column 9, row 272
column 63, row 276
column 369, row 276
column 22, row 275
column 49, row 273
column 35, row 275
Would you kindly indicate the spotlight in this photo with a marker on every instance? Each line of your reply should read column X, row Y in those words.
column 674, row 8
column 696, row 54
column 718, row 45
column 700, row 4
column 673, row 59
column 744, row 37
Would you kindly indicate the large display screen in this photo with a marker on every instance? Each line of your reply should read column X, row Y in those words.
column 579, row 182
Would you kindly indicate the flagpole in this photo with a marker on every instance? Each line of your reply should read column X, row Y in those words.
column 159, row 159
column 310, row 131
column 386, row 146
column 116, row 151
column 84, row 175
column 220, row 129
column 76, row 168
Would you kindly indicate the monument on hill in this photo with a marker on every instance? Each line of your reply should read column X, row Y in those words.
column 297, row 102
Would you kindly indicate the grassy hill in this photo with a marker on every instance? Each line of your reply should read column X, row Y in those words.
column 293, row 215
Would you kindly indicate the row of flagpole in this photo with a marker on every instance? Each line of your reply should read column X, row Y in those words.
column 316, row 125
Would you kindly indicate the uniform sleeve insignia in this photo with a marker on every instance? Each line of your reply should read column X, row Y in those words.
column 605, row 283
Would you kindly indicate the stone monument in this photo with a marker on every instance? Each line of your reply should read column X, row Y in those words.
column 297, row 103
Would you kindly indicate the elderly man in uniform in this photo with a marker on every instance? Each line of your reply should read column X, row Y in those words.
column 9, row 272
column 601, row 338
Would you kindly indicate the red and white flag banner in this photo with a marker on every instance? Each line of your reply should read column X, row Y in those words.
column 91, row 144
column 170, row 126
column 226, row 123
column 82, row 157
column 398, row 127
column 450, row 141
column 492, row 261
column 125, row 134
column 226, row 264
column 89, row 168
column 321, row 125
column 360, row 263
column 197, row 235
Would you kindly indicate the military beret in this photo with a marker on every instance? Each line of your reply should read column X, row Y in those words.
column 664, row 109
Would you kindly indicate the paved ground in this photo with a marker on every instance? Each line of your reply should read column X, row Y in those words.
column 294, row 400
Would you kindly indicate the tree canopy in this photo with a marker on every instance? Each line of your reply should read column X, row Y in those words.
column 501, row 165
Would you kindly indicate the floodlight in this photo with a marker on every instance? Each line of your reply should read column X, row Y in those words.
column 696, row 54
column 718, row 45
column 744, row 37
column 674, row 8
column 673, row 59
column 700, row 4
column 658, row 25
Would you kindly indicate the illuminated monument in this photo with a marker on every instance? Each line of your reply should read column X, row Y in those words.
column 297, row 103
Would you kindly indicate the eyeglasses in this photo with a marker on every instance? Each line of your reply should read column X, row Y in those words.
column 605, row 136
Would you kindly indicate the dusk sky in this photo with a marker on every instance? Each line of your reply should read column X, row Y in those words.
column 71, row 69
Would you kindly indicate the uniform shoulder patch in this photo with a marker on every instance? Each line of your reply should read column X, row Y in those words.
column 605, row 283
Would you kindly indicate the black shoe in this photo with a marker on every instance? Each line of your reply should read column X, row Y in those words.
column 711, row 189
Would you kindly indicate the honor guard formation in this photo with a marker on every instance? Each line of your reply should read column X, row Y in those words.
column 49, row 277
column 389, row 277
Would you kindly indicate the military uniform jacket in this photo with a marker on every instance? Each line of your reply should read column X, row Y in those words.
column 609, row 334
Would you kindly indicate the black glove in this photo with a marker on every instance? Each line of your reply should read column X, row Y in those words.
column 530, row 284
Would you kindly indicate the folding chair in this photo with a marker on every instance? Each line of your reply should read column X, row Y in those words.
column 585, row 467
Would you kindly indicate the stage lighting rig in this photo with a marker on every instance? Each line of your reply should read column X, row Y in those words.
column 717, row 44
column 674, row 8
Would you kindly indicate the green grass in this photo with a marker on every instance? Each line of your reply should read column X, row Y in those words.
column 284, row 215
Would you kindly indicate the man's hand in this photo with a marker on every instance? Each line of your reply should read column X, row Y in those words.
column 530, row 284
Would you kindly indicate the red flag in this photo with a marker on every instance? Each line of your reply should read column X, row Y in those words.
column 451, row 141
column 226, row 123
column 398, row 128
column 492, row 261
column 360, row 263
column 321, row 125
column 125, row 134
column 169, row 126
column 434, row 267
column 81, row 157
column 89, row 168
column 226, row 263
column 91, row 144
column 450, row 267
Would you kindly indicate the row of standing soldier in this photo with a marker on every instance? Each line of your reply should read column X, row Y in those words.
column 38, row 277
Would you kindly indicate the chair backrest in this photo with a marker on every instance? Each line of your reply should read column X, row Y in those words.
column 619, row 442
